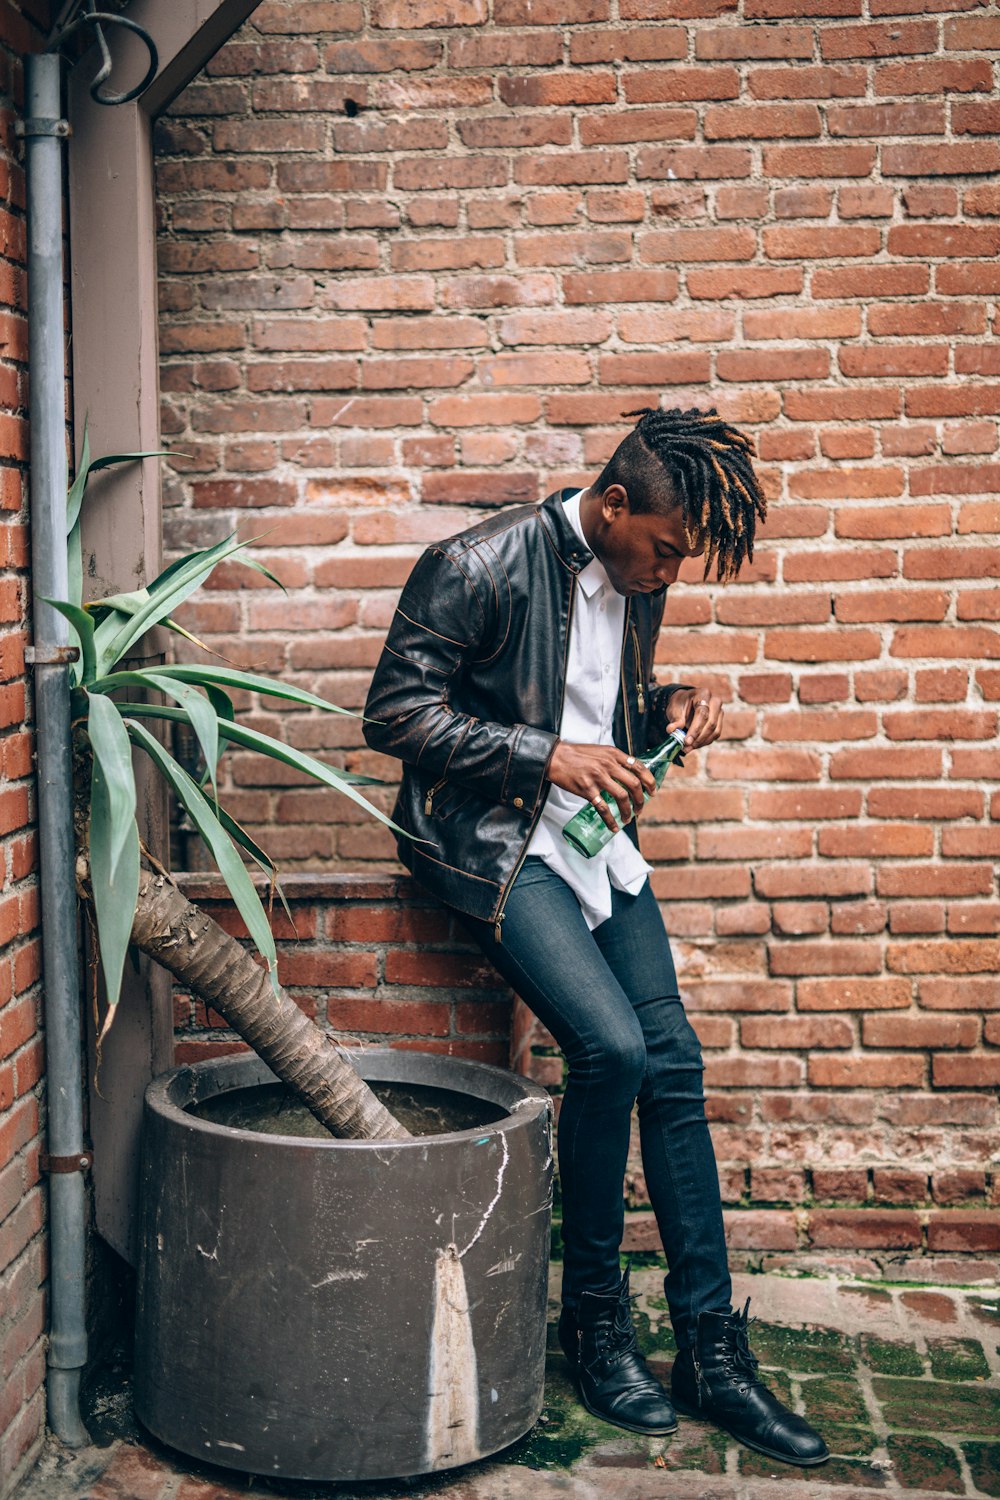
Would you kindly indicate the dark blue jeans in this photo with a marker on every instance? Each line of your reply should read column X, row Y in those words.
column 610, row 999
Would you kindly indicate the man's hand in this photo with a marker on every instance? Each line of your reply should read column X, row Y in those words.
column 698, row 712
column 589, row 770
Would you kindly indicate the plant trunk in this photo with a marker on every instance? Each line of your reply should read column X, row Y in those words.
column 220, row 971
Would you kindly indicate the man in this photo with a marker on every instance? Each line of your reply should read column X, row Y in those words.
column 517, row 680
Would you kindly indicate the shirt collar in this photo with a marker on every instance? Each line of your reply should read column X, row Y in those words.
column 593, row 577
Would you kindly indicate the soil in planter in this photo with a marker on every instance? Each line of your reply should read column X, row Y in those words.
column 272, row 1109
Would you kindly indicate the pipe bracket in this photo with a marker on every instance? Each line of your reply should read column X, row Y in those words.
column 39, row 125
column 51, row 656
column 79, row 1161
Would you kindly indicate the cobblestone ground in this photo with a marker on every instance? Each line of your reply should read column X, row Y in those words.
column 904, row 1382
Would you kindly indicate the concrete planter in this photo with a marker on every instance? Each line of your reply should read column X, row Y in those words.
column 330, row 1310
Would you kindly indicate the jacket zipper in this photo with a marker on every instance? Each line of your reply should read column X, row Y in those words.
column 498, row 919
column 429, row 799
column 640, row 687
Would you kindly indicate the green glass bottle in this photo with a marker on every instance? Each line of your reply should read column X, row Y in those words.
column 587, row 831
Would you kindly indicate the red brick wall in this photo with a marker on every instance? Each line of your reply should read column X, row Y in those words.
column 373, row 960
column 409, row 270
column 22, row 1204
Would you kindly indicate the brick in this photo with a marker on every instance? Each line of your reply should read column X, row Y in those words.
column 979, row 917
column 872, row 201
column 958, row 1185
column 795, row 1032
column 968, row 1232
column 934, row 880
column 821, row 645
column 942, row 159
column 620, row 286
column 957, row 956
column 636, row 44
column 824, row 958
column 807, row 83
column 558, row 90
column 843, row 1184
column 853, row 994
column 732, row 42
column 926, row 1032
column 960, row 993
column 819, row 725
column 692, row 162
column 916, row 917
column 819, row 161
column 872, row 281
column 874, row 40
column 656, row 86
column 759, row 281
column 946, row 75
column 892, row 604
column 432, row 969
column 876, row 840
column 876, row 1229
column 750, row 1072
column 930, row 640
column 898, row 1185
column 971, row 33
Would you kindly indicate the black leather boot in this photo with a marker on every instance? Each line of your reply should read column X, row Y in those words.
column 599, row 1342
column 717, row 1380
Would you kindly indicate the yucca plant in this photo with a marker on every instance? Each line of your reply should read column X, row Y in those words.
column 131, row 897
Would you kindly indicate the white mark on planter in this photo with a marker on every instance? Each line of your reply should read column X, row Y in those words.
column 238, row 1447
column 501, row 1266
column 495, row 1200
column 159, row 1242
column 350, row 1275
column 494, row 1395
column 453, row 1382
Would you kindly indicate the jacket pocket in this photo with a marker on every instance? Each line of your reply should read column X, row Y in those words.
column 444, row 798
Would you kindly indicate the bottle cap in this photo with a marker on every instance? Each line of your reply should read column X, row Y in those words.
column 680, row 735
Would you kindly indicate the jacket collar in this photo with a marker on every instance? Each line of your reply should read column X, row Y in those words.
column 569, row 548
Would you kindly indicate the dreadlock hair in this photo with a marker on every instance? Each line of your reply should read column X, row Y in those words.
column 709, row 473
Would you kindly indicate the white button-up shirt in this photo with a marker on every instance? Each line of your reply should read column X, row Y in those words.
column 593, row 671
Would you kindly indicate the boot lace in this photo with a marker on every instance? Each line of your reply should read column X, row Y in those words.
column 617, row 1337
column 739, row 1360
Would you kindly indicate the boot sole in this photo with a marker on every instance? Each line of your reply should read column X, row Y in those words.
column 784, row 1458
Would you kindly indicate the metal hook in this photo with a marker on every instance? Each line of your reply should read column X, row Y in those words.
column 98, row 19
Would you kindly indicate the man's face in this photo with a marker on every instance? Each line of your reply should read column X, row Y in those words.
column 641, row 553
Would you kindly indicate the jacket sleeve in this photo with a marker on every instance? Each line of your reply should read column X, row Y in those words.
column 442, row 622
column 659, row 694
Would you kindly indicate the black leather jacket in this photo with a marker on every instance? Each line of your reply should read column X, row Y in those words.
column 468, row 693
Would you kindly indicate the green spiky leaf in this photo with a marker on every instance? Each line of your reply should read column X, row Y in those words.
column 231, row 867
column 114, row 843
column 82, row 626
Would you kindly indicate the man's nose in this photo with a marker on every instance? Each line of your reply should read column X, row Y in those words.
column 668, row 570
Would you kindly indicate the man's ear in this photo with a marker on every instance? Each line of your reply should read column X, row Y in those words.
column 614, row 501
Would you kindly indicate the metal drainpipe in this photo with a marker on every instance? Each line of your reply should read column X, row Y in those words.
column 43, row 128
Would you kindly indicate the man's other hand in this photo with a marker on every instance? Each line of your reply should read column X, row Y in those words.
column 698, row 712
column 590, row 770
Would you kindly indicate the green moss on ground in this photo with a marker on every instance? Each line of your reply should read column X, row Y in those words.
column 924, row 1463
column 984, row 1465
column 888, row 1357
column 938, row 1406
column 957, row 1359
column 810, row 1351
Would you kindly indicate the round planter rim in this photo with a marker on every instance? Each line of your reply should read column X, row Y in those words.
column 158, row 1098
